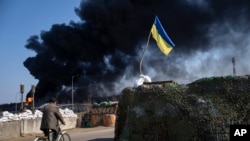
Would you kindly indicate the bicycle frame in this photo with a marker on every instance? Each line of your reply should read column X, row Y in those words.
column 59, row 135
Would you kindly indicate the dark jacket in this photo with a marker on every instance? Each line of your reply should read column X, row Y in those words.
column 51, row 117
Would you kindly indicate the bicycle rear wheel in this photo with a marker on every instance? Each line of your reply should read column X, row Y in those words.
column 64, row 137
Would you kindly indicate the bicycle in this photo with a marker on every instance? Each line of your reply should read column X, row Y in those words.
column 61, row 136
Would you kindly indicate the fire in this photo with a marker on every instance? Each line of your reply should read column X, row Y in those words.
column 29, row 100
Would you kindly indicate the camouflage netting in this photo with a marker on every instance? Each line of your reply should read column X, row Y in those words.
column 202, row 110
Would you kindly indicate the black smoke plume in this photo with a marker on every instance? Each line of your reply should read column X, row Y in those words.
column 103, row 50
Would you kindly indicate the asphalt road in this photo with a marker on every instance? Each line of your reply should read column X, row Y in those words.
column 99, row 135
column 80, row 134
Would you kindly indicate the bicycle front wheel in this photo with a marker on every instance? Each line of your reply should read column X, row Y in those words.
column 64, row 137
column 40, row 139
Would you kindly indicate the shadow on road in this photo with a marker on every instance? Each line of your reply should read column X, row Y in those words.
column 102, row 139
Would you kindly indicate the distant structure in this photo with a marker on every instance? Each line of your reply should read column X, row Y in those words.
column 234, row 71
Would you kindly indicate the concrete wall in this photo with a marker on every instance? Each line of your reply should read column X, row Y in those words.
column 9, row 129
column 14, row 129
column 30, row 126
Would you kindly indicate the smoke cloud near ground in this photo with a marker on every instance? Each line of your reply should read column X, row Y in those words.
column 103, row 51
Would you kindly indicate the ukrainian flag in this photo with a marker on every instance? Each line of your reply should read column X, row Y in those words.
column 161, row 37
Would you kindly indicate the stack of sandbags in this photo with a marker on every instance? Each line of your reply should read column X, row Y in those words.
column 27, row 114
column 67, row 113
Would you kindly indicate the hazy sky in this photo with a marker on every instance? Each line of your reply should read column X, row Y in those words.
column 18, row 21
column 216, row 32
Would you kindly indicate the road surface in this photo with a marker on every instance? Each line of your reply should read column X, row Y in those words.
column 80, row 134
column 96, row 135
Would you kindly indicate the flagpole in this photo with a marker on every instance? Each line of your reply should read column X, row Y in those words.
column 144, row 52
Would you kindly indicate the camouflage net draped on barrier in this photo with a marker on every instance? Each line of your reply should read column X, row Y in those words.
column 201, row 110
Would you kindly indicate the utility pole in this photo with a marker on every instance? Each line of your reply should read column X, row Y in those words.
column 33, row 90
column 21, row 91
column 72, row 91
column 234, row 70
column 16, row 102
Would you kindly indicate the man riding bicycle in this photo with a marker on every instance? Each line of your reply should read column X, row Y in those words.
column 51, row 118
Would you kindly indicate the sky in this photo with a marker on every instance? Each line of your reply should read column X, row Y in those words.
column 216, row 32
column 18, row 21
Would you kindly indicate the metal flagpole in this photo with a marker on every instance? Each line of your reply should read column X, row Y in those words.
column 144, row 51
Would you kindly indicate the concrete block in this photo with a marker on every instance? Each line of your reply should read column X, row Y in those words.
column 9, row 130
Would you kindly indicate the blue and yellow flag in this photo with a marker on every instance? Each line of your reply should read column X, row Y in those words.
column 161, row 37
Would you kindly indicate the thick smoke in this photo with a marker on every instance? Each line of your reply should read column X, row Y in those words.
column 103, row 51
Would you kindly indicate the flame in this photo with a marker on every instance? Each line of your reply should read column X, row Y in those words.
column 30, row 99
